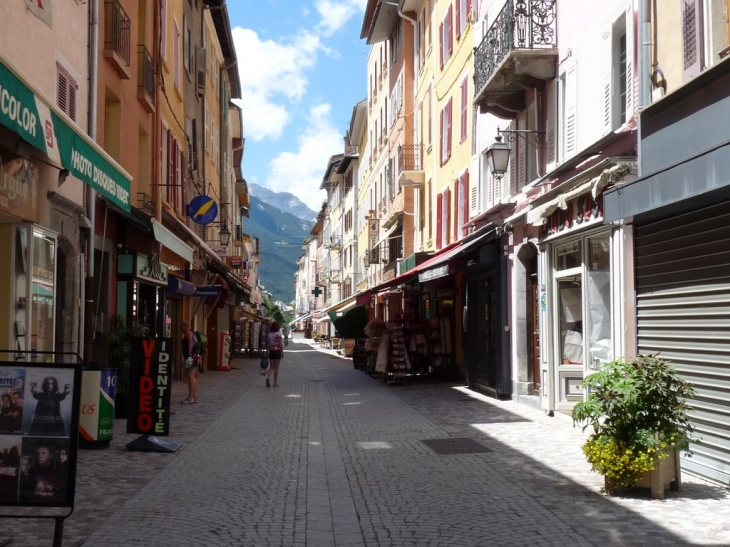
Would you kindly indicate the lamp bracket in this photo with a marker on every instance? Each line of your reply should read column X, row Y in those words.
column 512, row 135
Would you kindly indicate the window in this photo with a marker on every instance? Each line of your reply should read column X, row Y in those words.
column 421, row 40
column 619, row 87
column 461, row 199
column 566, row 145
column 187, row 59
column 692, row 39
column 429, row 213
column 446, row 132
column 446, row 37
column 66, row 93
column 163, row 27
column 429, row 109
column 463, row 9
column 464, row 108
column 112, row 124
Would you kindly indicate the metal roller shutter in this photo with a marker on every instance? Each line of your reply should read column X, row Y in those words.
column 683, row 311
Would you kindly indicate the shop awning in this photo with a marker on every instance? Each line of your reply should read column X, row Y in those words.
column 171, row 241
column 352, row 324
column 252, row 316
column 218, row 300
column 439, row 265
column 323, row 319
column 43, row 125
column 177, row 285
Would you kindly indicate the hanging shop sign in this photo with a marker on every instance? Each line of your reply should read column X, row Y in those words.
column 373, row 238
column 203, row 210
column 42, row 124
column 434, row 273
column 19, row 189
column 150, row 384
column 234, row 261
column 151, row 269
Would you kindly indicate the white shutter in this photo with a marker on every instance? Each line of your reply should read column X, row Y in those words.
column 475, row 187
column 607, row 89
column 571, row 122
column 631, row 84
column 550, row 143
column 692, row 39
column 521, row 153
column 200, row 70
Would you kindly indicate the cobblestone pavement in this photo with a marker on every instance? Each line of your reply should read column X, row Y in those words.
column 334, row 457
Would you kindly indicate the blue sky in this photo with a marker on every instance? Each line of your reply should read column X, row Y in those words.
column 303, row 68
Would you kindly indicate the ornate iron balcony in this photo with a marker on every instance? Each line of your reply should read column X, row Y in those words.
column 521, row 25
column 146, row 73
column 410, row 157
column 117, row 29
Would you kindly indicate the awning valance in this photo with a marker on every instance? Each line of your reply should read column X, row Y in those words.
column 43, row 125
column 171, row 241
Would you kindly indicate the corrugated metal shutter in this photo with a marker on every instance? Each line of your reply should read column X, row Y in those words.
column 683, row 311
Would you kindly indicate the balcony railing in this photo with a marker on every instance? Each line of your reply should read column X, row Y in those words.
column 146, row 73
column 523, row 25
column 410, row 157
column 117, row 30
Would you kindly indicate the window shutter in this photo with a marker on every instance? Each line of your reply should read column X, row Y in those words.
column 182, row 197
column 443, row 136
column 447, row 216
column 464, row 105
column 439, row 219
column 521, row 152
column 442, row 43
column 200, row 70
column 512, row 173
column 607, row 67
column 474, row 200
column 458, row 19
column 571, row 98
column 450, row 19
column 449, row 119
column 550, row 125
column 194, row 145
column 457, row 206
column 464, row 202
column 632, row 91
column 692, row 38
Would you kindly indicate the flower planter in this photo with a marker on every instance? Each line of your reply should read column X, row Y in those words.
column 667, row 474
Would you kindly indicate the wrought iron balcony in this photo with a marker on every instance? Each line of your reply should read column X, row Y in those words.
column 145, row 78
column 117, row 36
column 518, row 52
column 410, row 165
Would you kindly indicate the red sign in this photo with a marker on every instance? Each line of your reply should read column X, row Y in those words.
column 235, row 261
column 149, row 387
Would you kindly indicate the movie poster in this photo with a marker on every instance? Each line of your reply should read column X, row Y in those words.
column 9, row 463
column 44, row 471
column 12, row 389
column 48, row 402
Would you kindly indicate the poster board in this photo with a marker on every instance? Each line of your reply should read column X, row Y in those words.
column 39, row 414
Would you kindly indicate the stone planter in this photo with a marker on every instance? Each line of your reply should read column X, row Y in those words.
column 668, row 473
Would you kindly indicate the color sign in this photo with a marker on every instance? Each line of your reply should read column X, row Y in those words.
column 203, row 210
column 96, row 422
column 39, row 124
column 150, row 385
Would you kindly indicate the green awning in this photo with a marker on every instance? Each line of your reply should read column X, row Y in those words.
column 43, row 125
column 352, row 324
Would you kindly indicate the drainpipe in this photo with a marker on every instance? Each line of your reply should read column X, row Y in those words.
column 644, row 65
column 88, row 309
column 156, row 131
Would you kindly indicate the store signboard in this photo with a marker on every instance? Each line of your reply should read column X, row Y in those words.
column 150, row 384
column 373, row 238
column 151, row 269
column 44, row 126
column 38, row 433
column 19, row 189
column 433, row 273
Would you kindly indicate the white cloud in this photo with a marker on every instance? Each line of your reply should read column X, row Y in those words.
column 272, row 74
column 336, row 13
column 301, row 172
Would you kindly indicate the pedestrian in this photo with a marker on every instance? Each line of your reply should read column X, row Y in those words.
column 189, row 365
column 286, row 331
column 276, row 352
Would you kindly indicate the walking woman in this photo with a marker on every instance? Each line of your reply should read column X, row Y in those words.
column 188, row 340
column 276, row 352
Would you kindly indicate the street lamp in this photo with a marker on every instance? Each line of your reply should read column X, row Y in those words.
column 224, row 235
column 498, row 157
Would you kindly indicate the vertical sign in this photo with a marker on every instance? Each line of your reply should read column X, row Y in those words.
column 150, row 385
column 96, row 422
column 373, row 236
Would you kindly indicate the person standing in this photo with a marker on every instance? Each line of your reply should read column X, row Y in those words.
column 276, row 352
column 188, row 340
column 287, row 332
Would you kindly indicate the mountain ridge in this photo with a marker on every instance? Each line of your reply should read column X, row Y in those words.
column 284, row 201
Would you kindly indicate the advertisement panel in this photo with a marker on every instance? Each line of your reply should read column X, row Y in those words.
column 150, row 385
column 38, row 422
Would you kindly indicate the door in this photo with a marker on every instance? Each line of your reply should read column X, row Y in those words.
column 483, row 330
column 533, row 329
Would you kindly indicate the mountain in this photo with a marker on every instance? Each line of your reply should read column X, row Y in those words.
column 281, row 235
column 284, row 201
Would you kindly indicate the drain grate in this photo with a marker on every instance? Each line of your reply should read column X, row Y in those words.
column 455, row 445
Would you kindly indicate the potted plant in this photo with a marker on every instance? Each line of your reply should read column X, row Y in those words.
column 638, row 411
column 121, row 335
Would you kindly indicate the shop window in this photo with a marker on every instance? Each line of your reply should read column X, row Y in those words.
column 598, row 295
column 568, row 256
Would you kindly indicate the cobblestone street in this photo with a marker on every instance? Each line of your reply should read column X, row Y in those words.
column 335, row 457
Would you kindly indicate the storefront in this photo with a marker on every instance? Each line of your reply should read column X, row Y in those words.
column 46, row 163
column 580, row 288
column 141, row 282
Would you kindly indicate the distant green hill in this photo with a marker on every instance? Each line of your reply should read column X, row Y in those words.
column 280, row 245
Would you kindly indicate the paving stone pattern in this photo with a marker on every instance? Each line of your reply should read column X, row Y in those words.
column 336, row 458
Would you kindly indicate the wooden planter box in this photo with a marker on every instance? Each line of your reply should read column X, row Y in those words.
column 668, row 474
